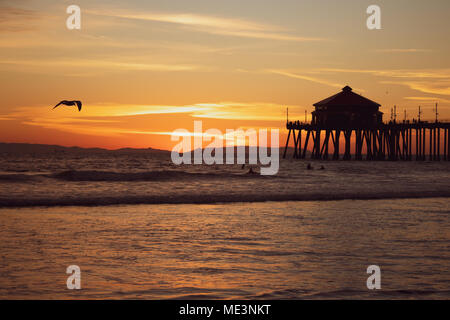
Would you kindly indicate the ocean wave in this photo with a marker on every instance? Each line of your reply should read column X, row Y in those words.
column 95, row 175
column 16, row 177
column 210, row 198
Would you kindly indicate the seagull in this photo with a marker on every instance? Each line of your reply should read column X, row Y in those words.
column 70, row 103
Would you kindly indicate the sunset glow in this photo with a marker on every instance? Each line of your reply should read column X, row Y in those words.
column 146, row 68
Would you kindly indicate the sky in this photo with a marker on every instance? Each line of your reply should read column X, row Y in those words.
column 146, row 68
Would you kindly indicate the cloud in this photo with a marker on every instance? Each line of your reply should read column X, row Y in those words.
column 214, row 25
column 399, row 73
column 16, row 19
column 404, row 50
column 233, row 136
column 262, row 35
column 433, row 81
column 75, row 128
column 427, row 99
column 100, row 111
column 115, row 65
column 111, row 111
column 114, row 119
column 303, row 77
column 433, row 87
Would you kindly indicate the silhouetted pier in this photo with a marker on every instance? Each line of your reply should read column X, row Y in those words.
column 352, row 117
column 386, row 141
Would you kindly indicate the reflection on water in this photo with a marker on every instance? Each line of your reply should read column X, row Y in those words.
column 276, row 250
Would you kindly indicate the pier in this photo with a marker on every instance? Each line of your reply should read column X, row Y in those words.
column 388, row 141
column 354, row 123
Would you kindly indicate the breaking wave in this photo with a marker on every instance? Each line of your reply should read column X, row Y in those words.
column 94, row 175
column 209, row 198
column 123, row 182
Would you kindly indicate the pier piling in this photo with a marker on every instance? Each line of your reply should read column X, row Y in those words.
column 392, row 141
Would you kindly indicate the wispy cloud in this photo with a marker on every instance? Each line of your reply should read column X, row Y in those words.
column 76, row 128
column 111, row 111
column 261, row 111
column 410, row 50
column 114, row 119
column 304, row 77
column 100, row 111
column 104, row 64
column 16, row 19
column 399, row 73
column 233, row 136
column 432, row 81
column 427, row 99
column 434, row 87
column 215, row 25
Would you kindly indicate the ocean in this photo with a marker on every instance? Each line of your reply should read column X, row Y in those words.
column 140, row 227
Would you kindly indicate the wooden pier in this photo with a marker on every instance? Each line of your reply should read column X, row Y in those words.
column 348, row 119
column 385, row 141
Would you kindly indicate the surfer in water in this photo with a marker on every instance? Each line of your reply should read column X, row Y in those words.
column 251, row 171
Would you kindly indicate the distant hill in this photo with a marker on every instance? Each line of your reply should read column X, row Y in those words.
column 28, row 148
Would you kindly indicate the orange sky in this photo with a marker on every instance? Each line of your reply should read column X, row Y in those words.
column 146, row 68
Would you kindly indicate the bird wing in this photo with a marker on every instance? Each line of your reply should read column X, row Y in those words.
column 78, row 105
column 58, row 104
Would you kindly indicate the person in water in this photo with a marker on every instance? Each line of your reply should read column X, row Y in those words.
column 309, row 166
column 251, row 171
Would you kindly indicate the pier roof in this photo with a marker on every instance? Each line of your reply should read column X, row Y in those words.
column 347, row 98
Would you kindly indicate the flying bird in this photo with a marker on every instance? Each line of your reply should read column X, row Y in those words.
column 70, row 103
